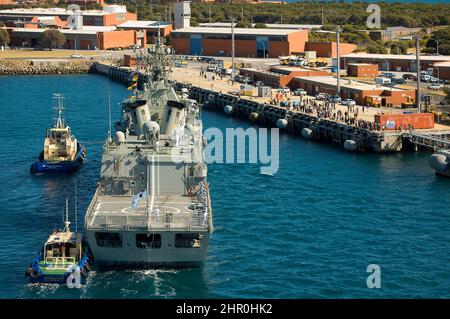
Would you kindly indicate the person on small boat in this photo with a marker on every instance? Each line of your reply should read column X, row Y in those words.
column 62, row 250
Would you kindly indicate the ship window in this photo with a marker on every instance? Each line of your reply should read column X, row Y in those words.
column 108, row 239
column 188, row 240
column 168, row 115
column 148, row 241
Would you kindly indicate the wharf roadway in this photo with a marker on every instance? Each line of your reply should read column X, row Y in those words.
column 191, row 75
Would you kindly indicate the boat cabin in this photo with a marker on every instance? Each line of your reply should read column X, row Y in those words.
column 59, row 145
column 63, row 248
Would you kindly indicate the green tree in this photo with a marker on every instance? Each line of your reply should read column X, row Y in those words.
column 428, row 50
column 260, row 26
column 399, row 47
column 52, row 38
column 242, row 24
column 168, row 40
column 444, row 49
column 4, row 37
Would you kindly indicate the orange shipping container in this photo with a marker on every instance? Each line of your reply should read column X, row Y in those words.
column 395, row 121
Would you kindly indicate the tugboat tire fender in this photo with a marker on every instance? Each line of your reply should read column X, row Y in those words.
column 34, row 273
column 87, row 266
column 83, row 272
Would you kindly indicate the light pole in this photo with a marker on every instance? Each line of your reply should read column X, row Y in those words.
column 437, row 45
column 418, row 97
column 387, row 65
column 338, row 53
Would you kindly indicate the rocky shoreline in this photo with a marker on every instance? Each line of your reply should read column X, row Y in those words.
column 26, row 67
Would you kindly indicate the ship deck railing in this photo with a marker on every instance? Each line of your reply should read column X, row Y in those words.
column 163, row 221
column 108, row 212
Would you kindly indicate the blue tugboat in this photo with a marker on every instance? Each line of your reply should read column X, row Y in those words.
column 64, row 254
column 62, row 152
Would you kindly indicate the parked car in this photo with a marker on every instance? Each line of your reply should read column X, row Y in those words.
column 321, row 96
column 334, row 99
column 299, row 92
column 434, row 79
column 297, row 63
column 76, row 56
column 425, row 78
column 435, row 86
column 444, row 81
column 349, row 102
column 284, row 89
column 388, row 75
column 242, row 79
column 409, row 76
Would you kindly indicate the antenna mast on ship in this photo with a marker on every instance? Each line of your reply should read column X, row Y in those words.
column 67, row 223
column 59, row 123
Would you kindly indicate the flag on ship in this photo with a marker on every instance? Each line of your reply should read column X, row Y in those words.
column 133, row 79
column 138, row 197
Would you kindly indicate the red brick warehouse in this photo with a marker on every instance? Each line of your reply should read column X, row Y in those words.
column 270, row 43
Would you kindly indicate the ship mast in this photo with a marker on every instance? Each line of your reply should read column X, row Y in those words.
column 59, row 123
column 67, row 222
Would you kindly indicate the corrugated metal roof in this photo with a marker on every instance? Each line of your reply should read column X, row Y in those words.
column 50, row 11
column 144, row 24
column 237, row 31
column 350, row 84
column 410, row 57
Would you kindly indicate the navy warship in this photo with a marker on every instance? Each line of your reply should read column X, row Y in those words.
column 152, row 204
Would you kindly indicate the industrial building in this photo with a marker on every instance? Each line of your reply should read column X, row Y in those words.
column 149, row 27
column 111, row 15
column 442, row 70
column 268, row 25
column 86, row 30
column 215, row 39
column 392, row 33
column 87, row 38
column 362, row 70
column 259, row 43
column 388, row 62
column 362, row 93
column 279, row 76
column 329, row 49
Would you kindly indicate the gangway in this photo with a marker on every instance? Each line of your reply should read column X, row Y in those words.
column 436, row 140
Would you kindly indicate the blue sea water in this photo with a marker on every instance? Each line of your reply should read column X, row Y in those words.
column 309, row 231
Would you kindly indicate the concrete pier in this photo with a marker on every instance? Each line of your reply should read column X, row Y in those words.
column 258, row 111
column 321, row 129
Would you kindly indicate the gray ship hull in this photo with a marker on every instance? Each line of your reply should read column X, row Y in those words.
column 129, row 255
